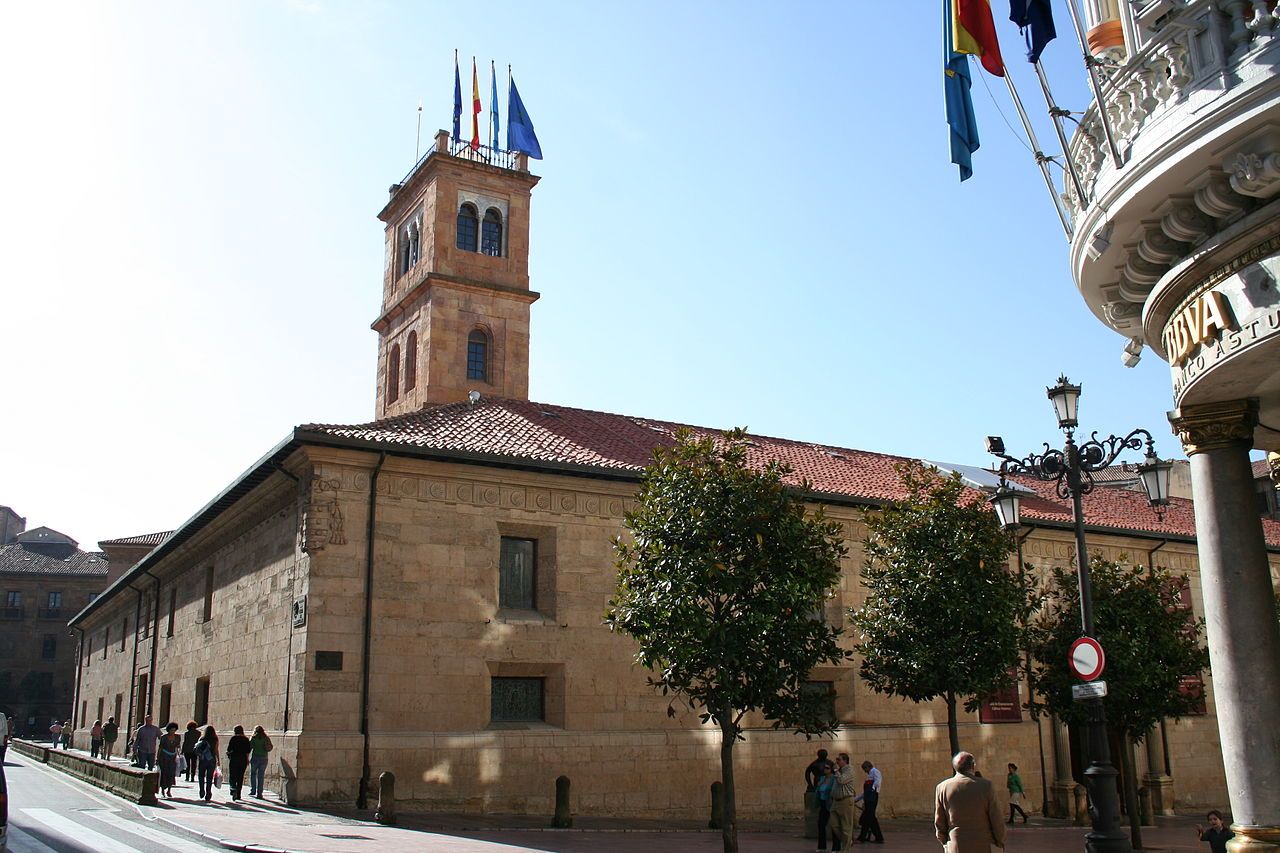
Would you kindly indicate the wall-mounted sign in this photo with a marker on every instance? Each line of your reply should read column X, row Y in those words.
column 1206, row 317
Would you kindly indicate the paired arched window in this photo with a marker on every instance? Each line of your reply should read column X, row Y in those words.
column 409, row 246
column 491, row 234
column 411, row 362
column 478, row 355
column 476, row 236
column 468, row 226
column 393, row 374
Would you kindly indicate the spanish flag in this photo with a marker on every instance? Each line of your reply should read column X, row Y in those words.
column 974, row 32
column 475, row 104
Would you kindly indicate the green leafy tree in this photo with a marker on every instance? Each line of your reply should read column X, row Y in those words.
column 718, row 585
column 944, row 616
column 1150, row 641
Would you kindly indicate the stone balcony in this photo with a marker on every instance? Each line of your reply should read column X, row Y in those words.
column 1195, row 113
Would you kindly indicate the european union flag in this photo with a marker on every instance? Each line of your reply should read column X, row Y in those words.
column 520, row 135
column 960, row 118
column 457, row 102
column 1035, row 19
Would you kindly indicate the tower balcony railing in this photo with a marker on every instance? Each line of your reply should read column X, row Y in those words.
column 1190, row 52
column 517, row 161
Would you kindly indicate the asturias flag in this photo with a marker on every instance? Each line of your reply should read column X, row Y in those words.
column 974, row 32
column 520, row 135
column 457, row 102
column 493, row 105
column 960, row 119
column 475, row 107
column 1035, row 19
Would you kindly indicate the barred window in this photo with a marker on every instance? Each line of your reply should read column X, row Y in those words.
column 517, row 700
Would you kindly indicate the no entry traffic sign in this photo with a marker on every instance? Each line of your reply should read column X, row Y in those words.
column 1086, row 659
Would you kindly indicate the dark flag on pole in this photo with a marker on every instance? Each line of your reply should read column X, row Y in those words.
column 520, row 135
column 1035, row 19
column 457, row 101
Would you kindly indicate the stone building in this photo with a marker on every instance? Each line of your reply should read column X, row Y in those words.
column 45, row 578
column 424, row 593
column 1176, row 246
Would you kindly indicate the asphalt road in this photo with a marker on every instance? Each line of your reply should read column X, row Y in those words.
column 49, row 811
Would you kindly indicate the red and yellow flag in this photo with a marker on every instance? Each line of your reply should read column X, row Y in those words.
column 475, row 104
column 974, row 32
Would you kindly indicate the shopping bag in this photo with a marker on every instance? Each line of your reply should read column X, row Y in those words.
column 180, row 765
column 217, row 777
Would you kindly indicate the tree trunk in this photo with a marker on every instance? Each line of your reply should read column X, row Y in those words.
column 728, row 737
column 953, row 727
column 1130, row 790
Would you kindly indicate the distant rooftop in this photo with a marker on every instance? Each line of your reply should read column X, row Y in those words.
column 144, row 539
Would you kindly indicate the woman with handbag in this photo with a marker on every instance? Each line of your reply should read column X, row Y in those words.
column 207, row 762
column 259, row 746
column 170, row 747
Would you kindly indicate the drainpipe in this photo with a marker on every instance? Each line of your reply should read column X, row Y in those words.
column 362, row 797
column 155, row 640
column 288, row 657
column 75, row 694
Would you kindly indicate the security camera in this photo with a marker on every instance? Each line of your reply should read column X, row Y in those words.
column 1132, row 353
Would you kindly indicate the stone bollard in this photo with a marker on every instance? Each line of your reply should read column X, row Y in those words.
column 1081, row 817
column 1146, row 816
column 386, row 812
column 810, row 814
column 717, row 806
column 563, row 819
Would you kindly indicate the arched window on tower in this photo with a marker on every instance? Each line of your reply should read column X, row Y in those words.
column 393, row 374
column 491, row 235
column 478, row 355
column 411, row 362
column 468, row 226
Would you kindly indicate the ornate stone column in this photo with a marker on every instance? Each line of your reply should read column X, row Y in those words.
column 1061, row 791
column 1239, row 606
column 1156, row 780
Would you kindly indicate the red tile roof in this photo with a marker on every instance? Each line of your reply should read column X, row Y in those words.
column 545, row 434
column 144, row 539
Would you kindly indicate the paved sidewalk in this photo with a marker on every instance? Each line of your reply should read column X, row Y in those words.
column 269, row 825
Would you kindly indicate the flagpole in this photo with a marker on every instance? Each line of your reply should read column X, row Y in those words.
column 417, row 141
column 1056, row 113
column 1091, row 65
column 1041, row 160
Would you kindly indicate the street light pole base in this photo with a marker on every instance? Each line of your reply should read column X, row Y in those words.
column 1104, row 807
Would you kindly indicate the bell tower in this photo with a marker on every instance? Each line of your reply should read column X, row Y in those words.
column 455, row 285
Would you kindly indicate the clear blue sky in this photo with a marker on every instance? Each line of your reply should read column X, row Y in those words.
column 747, row 216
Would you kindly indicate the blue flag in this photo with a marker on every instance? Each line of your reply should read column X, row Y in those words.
column 493, row 107
column 1035, row 19
column 960, row 118
column 457, row 102
column 520, row 135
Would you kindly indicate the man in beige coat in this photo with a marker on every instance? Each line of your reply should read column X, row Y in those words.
column 965, row 815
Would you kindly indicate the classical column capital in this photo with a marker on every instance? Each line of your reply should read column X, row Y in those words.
column 1210, row 426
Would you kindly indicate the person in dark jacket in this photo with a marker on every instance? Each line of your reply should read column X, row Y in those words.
column 189, row 738
column 237, row 760
column 110, row 732
column 206, row 761
column 1218, row 834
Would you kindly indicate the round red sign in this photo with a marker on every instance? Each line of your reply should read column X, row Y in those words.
column 1086, row 659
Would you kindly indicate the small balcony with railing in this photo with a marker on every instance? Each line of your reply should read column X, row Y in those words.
column 516, row 161
column 13, row 611
column 1191, row 143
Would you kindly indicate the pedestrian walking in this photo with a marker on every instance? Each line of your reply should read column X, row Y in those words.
column 868, row 823
column 55, row 734
column 207, row 761
column 169, row 748
column 145, row 740
column 67, row 731
column 966, row 817
column 189, row 738
column 842, row 804
column 822, row 794
column 95, row 739
column 1017, row 796
column 110, row 732
column 259, row 746
column 1217, row 835
column 237, row 760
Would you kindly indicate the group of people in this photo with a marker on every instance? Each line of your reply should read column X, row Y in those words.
column 193, row 753
column 834, row 785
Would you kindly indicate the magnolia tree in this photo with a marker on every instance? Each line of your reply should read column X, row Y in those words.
column 718, row 583
column 944, row 615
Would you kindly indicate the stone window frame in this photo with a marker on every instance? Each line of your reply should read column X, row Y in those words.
column 206, row 614
column 409, row 243
column 493, row 225
column 479, row 355
column 553, row 692
column 544, row 575
column 411, row 361
column 173, row 610
column 843, row 680
column 49, row 647
column 393, row 373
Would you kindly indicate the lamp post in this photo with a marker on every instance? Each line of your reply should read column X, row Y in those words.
column 1071, row 469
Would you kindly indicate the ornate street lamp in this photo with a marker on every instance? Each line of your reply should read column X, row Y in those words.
column 1071, row 469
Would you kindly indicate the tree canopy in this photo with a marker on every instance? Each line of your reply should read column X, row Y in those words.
column 719, row 585
column 944, row 615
